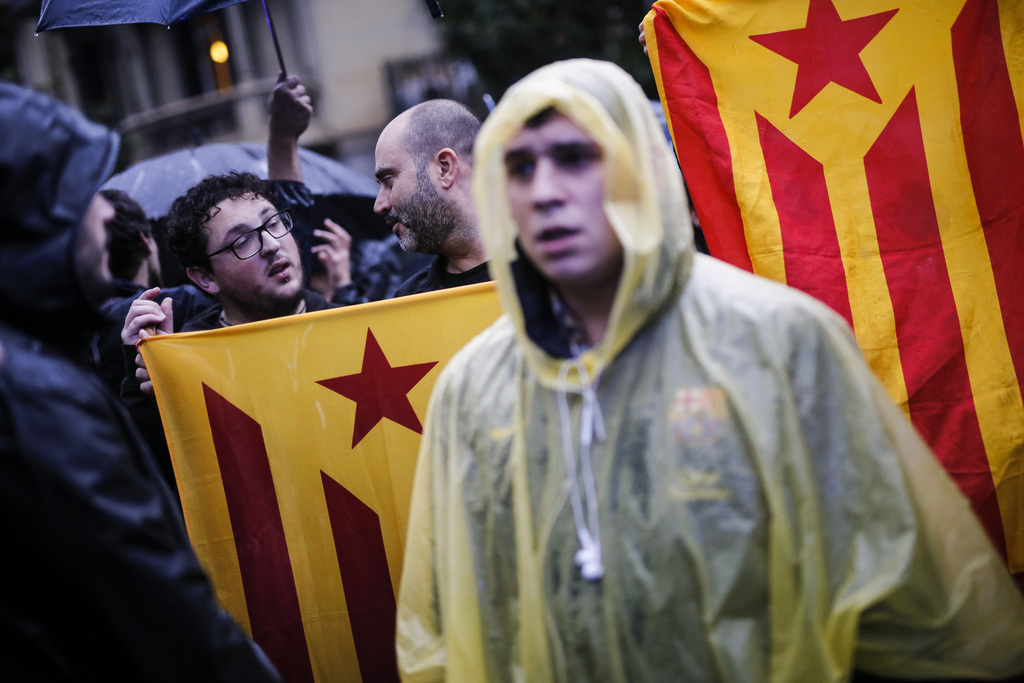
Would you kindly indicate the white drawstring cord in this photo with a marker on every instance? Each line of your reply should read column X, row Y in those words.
column 588, row 557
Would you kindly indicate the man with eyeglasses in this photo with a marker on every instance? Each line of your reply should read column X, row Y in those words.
column 241, row 252
column 236, row 246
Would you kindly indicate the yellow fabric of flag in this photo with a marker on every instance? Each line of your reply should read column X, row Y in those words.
column 871, row 154
column 294, row 444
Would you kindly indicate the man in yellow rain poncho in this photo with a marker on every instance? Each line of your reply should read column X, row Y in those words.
column 656, row 467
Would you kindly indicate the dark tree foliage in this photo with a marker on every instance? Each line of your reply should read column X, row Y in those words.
column 8, row 66
column 507, row 39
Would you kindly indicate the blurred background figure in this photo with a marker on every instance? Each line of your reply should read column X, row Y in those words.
column 135, row 267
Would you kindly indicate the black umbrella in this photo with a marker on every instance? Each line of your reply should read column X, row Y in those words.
column 68, row 13
column 157, row 182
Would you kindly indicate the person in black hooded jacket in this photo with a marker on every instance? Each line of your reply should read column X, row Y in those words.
column 99, row 581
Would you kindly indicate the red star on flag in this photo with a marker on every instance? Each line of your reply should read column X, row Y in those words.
column 379, row 390
column 827, row 50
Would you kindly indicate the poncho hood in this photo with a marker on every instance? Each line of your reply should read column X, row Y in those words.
column 645, row 200
column 52, row 162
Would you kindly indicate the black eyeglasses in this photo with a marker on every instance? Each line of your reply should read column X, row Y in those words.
column 250, row 243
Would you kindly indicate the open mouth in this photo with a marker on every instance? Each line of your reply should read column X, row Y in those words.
column 554, row 234
column 279, row 268
column 557, row 242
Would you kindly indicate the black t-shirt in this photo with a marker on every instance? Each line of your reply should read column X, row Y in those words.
column 436, row 277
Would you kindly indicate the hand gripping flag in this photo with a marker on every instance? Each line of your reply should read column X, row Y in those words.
column 294, row 442
column 869, row 152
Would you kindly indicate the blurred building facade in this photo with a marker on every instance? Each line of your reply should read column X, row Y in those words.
column 207, row 78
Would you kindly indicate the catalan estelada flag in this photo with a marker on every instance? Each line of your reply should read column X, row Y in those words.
column 870, row 153
column 294, row 443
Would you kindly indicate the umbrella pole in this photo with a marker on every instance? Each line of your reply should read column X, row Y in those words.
column 435, row 9
column 273, row 34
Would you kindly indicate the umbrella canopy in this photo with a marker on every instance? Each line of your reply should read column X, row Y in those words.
column 157, row 182
column 67, row 13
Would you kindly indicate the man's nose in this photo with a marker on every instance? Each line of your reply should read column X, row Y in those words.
column 546, row 185
column 382, row 204
column 271, row 244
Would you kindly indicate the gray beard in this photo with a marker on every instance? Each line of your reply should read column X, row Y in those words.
column 429, row 220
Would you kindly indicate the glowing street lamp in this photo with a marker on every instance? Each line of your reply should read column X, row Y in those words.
column 219, row 51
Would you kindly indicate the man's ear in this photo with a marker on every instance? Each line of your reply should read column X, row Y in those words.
column 448, row 164
column 148, row 243
column 203, row 279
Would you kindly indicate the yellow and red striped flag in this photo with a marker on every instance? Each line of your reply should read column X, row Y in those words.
column 870, row 153
column 294, row 443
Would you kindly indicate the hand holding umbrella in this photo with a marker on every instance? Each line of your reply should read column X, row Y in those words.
column 291, row 109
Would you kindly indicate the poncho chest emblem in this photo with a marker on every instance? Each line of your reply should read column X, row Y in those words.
column 698, row 415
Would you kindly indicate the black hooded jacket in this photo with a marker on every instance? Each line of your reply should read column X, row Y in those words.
column 98, row 579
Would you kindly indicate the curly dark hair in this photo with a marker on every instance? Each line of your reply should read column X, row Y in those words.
column 127, row 248
column 185, row 224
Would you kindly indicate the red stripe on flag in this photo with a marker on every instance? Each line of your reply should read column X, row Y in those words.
column 701, row 143
column 810, row 244
column 995, row 157
column 927, row 325
column 367, row 582
column 267, row 579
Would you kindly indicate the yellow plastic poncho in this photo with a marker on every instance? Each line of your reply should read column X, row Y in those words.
column 759, row 508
